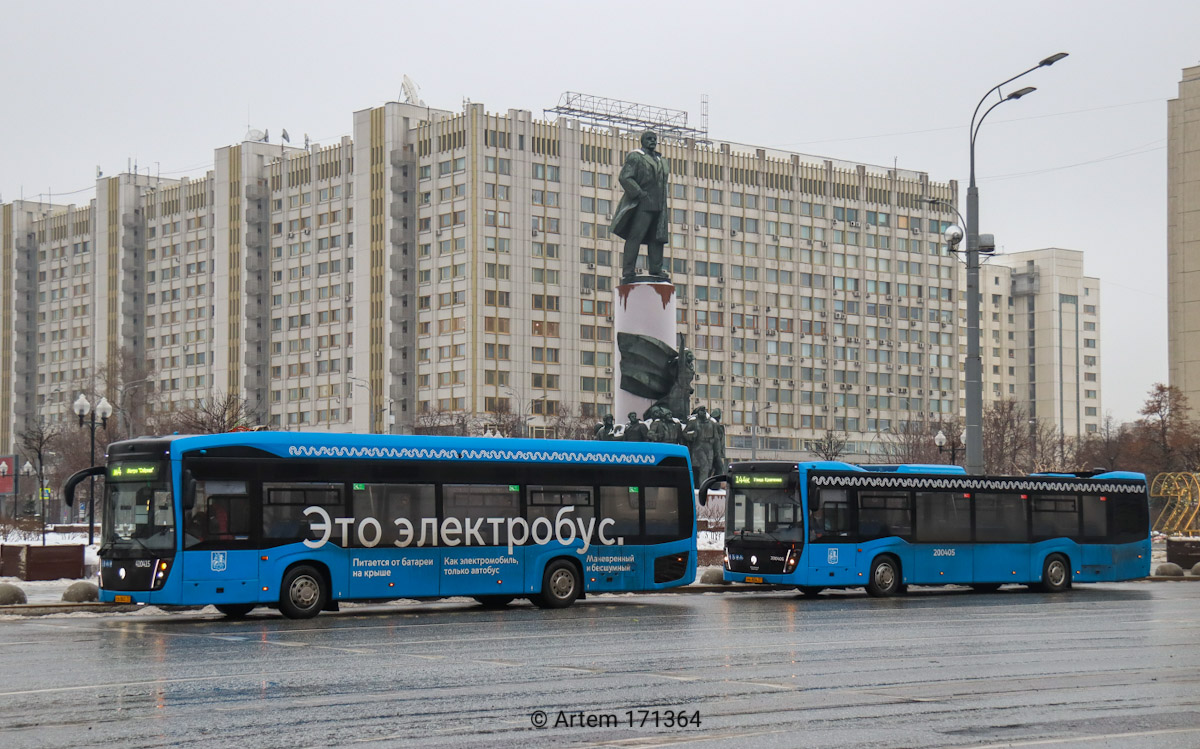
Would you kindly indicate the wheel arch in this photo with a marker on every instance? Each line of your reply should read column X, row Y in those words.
column 575, row 562
column 319, row 566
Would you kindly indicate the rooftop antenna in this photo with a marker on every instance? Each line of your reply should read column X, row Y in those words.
column 411, row 92
column 704, row 114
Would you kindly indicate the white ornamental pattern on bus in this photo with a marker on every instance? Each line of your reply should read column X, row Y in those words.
column 453, row 531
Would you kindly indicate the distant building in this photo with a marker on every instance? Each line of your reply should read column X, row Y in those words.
column 1040, row 324
column 442, row 263
column 1183, row 237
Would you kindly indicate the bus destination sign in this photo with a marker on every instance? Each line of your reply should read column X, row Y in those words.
column 132, row 471
column 760, row 480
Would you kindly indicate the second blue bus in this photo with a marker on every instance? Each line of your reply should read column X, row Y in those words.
column 829, row 524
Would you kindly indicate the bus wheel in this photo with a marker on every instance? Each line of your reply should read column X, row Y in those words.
column 1056, row 575
column 495, row 602
column 810, row 591
column 985, row 587
column 303, row 593
column 885, row 577
column 235, row 610
column 560, row 585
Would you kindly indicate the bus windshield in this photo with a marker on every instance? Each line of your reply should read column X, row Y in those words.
column 771, row 512
column 138, row 511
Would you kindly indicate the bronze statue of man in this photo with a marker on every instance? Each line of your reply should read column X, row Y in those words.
column 641, row 216
column 635, row 430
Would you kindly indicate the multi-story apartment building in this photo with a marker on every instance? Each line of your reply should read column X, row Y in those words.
column 460, row 263
column 1183, row 237
column 1040, row 324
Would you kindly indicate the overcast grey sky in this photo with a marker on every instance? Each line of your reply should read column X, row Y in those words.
column 1080, row 164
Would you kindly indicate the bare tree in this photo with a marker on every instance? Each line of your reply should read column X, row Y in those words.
column 830, row 446
column 1046, row 450
column 1110, row 447
column 505, row 421
column 909, row 442
column 455, row 423
column 1165, row 432
column 1006, row 436
column 223, row 412
column 37, row 443
column 569, row 423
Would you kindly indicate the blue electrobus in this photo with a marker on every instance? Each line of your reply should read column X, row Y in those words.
column 303, row 521
column 834, row 525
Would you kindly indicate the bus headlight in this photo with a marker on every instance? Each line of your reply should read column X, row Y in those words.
column 789, row 563
column 161, row 568
column 726, row 559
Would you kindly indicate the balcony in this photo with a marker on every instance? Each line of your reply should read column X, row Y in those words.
column 257, row 189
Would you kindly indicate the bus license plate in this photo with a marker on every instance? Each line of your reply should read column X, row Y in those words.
column 754, row 579
column 122, row 599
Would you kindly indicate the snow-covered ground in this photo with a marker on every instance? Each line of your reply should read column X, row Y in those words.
column 50, row 591
column 43, row 591
column 53, row 538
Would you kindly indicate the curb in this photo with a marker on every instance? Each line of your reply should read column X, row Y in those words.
column 44, row 609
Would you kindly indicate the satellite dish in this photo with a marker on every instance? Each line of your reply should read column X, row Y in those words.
column 412, row 92
column 285, row 136
column 255, row 135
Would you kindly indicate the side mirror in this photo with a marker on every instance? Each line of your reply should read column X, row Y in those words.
column 702, row 492
column 69, row 485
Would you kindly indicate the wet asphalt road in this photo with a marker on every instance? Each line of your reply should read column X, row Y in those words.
column 1110, row 665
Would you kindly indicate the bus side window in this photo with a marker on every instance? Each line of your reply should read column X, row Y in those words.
column 830, row 515
column 546, row 501
column 387, row 503
column 220, row 512
column 883, row 514
column 283, row 517
column 622, row 505
column 1054, row 517
column 943, row 517
column 1001, row 518
column 1130, row 518
column 662, row 511
column 1095, row 517
column 478, row 502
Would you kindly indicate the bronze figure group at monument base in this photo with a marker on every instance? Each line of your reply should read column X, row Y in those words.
column 703, row 434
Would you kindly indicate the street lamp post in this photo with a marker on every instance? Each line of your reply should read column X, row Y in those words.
column 754, row 431
column 974, row 364
column 124, row 422
column 391, row 416
column 83, row 408
column 955, row 445
column 29, row 470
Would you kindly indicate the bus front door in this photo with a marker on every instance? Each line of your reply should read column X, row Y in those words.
column 219, row 576
column 832, row 564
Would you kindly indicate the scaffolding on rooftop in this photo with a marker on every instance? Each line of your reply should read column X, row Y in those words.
column 629, row 116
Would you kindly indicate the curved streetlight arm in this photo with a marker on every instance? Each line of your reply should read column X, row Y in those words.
column 975, row 126
column 1045, row 63
column 951, row 206
column 993, row 90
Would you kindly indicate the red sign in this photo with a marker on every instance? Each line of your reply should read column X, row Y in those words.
column 8, row 474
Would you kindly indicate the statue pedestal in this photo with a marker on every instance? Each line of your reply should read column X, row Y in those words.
column 643, row 308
